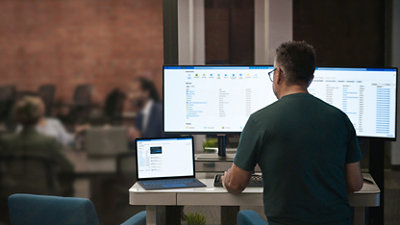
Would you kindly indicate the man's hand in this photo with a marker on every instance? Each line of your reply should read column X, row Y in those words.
column 235, row 179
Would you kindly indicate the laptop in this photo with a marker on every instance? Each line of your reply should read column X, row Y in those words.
column 164, row 163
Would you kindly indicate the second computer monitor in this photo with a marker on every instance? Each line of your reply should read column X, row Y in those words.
column 366, row 95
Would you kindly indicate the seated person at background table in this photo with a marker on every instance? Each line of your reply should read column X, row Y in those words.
column 53, row 127
column 28, row 112
column 307, row 149
column 29, row 143
column 143, row 95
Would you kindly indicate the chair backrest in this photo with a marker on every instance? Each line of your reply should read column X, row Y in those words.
column 7, row 92
column 106, row 141
column 27, row 209
column 8, row 95
column 46, row 92
column 27, row 173
column 249, row 217
column 83, row 95
column 113, row 105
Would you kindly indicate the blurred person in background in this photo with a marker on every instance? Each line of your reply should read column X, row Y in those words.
column 28, row 177
column 29, row 112
column 144, row 98
column 53, row 127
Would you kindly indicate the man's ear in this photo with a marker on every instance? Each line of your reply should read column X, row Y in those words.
column 279, row 75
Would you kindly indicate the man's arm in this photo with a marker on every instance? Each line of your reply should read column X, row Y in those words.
column 235, row 179
column 354, row 179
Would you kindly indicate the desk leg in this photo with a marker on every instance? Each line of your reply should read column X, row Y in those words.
column 359, row 216
column 155, row 215
column 228, row 214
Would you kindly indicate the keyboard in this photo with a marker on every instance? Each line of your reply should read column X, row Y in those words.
column 255, row 181
column 171, row 183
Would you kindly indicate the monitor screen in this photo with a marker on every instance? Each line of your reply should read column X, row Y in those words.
column 366, row 95
column 220, row 99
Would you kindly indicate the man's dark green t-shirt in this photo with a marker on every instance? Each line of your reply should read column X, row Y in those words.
column 301, row 145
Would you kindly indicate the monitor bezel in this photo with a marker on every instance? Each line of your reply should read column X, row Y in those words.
column 164, row 138
column 266, row 65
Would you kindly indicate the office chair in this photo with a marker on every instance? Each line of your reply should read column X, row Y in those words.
column 46, row 92
column 82, row 106
column 8, row 95
column 28, row 174
column 28, row 209
column 249, row 217
column 113, row 106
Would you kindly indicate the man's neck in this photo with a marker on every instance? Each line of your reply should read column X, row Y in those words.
column 293, row 89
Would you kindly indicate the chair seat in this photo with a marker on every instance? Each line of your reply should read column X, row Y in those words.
column 29, row 209
column 249, row 217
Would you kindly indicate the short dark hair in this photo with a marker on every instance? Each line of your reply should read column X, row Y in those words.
column 148, row 85
column 297, row 59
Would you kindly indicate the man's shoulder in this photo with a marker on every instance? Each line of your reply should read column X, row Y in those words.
column 263, row 113
column 330, row 108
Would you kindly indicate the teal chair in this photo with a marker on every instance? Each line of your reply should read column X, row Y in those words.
column 249, row 217
column 29, row 209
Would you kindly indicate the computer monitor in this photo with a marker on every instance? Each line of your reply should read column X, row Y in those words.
column 366, row 95
column 220, row 99
column 213, row 99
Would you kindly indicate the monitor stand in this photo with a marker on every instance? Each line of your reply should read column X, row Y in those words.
column 222, row 151
column 221, row 145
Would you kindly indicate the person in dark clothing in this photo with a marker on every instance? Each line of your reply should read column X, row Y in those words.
column 143, row 95
column 24, row 175
column 307, row 149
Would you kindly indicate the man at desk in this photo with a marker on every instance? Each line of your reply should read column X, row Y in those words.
column 144, row 97
column 307, row 149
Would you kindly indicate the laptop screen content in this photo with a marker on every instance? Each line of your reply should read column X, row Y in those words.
column 165, row 158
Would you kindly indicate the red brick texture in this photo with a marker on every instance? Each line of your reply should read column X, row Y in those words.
column 101, row 42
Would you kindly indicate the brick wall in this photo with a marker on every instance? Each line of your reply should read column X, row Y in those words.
column 70, row 42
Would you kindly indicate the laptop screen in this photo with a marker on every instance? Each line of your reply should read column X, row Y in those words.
column 165, row 158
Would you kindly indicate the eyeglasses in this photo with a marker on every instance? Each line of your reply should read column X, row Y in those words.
column 271, row 72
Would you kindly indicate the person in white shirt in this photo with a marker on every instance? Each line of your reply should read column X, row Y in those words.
column 54, row 128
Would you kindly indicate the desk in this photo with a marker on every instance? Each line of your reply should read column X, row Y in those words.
column 154, row 200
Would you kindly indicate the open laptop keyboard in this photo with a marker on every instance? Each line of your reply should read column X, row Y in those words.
column 171, row 183
column 255, row 181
